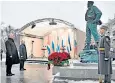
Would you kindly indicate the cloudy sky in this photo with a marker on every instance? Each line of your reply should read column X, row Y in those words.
column 19, row 13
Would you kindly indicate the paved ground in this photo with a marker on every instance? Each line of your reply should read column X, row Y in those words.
column 35, row 73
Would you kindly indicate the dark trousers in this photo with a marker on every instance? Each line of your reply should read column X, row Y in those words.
column 1, row 56
column 107, row 78
column 8, row 68
column 21, row 64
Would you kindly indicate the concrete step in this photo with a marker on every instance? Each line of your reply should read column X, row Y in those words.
column 88, row 64
column 62, row 80
column 79, row 72
column 37, row 59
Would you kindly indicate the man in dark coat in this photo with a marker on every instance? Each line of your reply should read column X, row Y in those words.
column 105, row 63
column 11, row 54
column 23, row 55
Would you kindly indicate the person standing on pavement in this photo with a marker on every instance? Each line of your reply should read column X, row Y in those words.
column 105, row 62
column 23, row 55
column 11, row 54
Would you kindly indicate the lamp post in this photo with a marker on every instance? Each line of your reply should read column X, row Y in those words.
column 43, row 49
column 52, row 22
column 32, row 50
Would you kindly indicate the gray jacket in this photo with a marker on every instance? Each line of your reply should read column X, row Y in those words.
column 104, row 63
column 22, row 52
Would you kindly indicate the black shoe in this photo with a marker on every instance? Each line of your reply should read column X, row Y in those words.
column 21, row 69
column 8, row 74
column 106, row 82
column 12, row 74
column 24, row 69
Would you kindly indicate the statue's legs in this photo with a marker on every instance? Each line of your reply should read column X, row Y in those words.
column 88, row 37
column 91, row 29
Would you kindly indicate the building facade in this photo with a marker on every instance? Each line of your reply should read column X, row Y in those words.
column 111, row 31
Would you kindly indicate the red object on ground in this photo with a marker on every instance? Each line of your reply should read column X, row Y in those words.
column 58, row 57
column 61, row 56
column 67, row 54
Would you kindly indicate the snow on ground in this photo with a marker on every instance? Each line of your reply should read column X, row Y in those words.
column 72, row 81
column 87, row 81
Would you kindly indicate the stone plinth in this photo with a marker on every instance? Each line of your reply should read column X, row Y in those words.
column 80, row 71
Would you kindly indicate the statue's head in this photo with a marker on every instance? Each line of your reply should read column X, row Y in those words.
column 90, row 4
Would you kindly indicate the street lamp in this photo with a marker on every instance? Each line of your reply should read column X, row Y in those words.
column 52, row 22
column 33, row 25
column 32, row 50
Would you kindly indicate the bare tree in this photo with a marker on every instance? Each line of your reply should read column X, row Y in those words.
column 5, row 30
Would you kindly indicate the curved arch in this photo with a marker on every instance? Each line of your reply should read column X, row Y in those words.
column 47, row 19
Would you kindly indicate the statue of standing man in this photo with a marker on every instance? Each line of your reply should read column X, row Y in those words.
column 92, row 18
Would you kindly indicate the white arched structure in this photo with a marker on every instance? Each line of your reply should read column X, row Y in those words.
column 43, row 33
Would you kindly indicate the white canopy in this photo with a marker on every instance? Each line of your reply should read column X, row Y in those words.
column 44, row 28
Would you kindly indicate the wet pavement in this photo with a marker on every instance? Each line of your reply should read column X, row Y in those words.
column 34, row 73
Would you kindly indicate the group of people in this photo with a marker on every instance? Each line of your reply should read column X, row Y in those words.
column 92, row 18
column 12, row 56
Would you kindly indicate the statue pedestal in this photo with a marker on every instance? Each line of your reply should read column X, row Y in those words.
column 79, row 71
column 89, row 56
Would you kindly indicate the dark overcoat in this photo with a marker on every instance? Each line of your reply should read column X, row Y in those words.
column 23, row 52
column 11, row 50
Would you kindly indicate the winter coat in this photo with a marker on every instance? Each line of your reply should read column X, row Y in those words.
column 11, row 51
column 23, row 52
